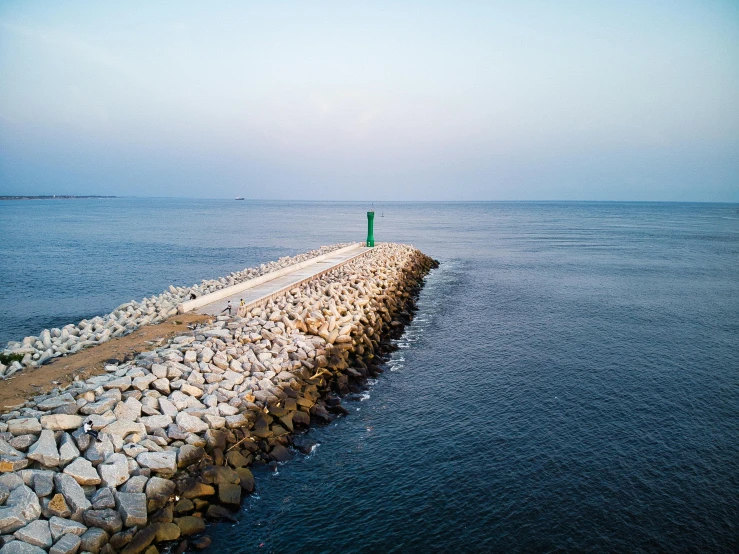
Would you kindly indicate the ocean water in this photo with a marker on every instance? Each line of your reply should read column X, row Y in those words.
column 570, row 382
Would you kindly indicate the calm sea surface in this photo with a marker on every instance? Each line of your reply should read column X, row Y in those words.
column 570, row 382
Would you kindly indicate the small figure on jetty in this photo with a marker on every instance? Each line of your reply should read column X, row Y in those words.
column 87, row 427
column 242, row 303
column 192, row 296
column 227, row 309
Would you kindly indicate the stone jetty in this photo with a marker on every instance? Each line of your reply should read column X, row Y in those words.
column 174, row 432
column 34, row 351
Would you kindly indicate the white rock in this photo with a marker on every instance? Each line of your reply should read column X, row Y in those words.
column 83, row 472
column 190, row 423
column 61, row 422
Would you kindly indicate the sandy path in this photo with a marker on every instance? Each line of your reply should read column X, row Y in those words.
column 91, row 361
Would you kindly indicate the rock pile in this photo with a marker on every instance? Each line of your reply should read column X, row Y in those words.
column 126, row 318
column 179, row 427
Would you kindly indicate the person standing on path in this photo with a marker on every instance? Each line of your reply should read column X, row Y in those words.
column 227, row 308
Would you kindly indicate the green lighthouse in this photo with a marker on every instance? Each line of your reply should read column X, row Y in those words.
column 371, row 228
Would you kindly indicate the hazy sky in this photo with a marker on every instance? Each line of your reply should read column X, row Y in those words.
column 456, row 100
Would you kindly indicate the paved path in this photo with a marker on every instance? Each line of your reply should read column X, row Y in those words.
column 279, row 285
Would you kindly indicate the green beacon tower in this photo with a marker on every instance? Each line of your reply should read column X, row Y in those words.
column 371, row 229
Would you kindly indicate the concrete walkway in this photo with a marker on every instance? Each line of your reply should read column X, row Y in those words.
column 263, row 292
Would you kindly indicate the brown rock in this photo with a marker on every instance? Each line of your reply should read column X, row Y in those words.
column 184, row 506
column 219, row 512
column 141, row 540
column 236, row 459
column 197, row 490
column 163, row 515
column 201, row 543
column 190, row 525
column 229, row 493
column 246, row 479
column 167, row 532
column 58, row 506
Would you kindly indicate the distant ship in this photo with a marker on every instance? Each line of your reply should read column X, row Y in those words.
column 240, row 198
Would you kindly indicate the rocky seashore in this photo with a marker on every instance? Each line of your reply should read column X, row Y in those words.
column 174, row 432
column 34, row 351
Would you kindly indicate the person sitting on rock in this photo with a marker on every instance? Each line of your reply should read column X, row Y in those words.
column 89, row 430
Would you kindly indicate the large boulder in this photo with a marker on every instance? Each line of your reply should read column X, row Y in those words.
column 191, row 423
column 114, row 472
column 44, row 450
column 61, row 422
column 21, row 508
column 36, row 533
column 24, row 426
column 73, row 494
column 83, row 472
column 163, row 462
column 132, row 507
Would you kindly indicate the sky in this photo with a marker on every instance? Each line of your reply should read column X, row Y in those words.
column 397, row 100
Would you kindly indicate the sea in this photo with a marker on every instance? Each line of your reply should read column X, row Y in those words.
column 570, row 382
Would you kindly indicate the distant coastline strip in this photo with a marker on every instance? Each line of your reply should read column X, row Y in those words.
column 54, row 197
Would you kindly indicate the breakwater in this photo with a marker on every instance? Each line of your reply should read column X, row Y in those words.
column 36, row 350
column 178, row 427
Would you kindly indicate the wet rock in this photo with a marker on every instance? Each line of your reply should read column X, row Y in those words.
column 190, row 525
column 246, row 479
column 201, row 543
column 280, row 454
column 229, row 494
column 216, row 511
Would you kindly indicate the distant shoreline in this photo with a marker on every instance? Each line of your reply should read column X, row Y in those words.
column 52, row 197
